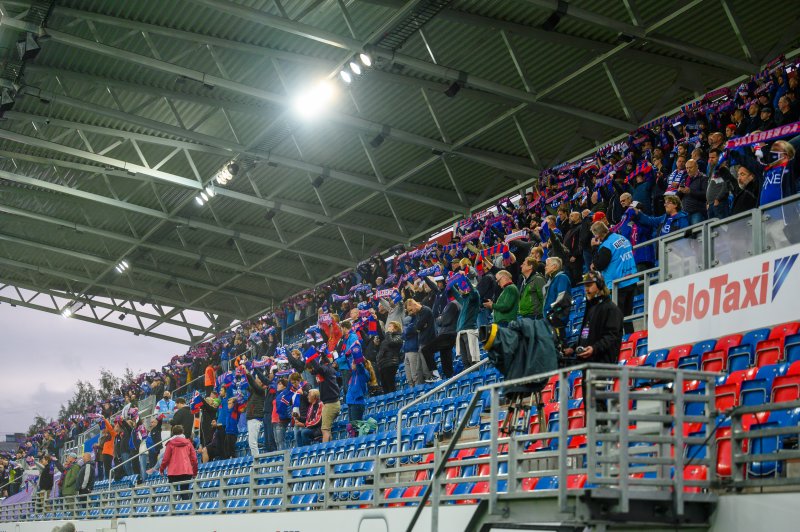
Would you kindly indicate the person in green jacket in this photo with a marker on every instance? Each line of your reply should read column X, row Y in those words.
column 531, row 285
column 506, row 307
column 69, row 485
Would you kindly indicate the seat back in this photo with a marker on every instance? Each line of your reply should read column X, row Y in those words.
column 769, row 351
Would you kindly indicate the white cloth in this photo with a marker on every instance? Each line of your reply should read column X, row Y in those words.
column 473, row 345
column 253, row 428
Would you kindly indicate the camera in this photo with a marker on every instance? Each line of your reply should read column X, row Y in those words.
column 579, row 350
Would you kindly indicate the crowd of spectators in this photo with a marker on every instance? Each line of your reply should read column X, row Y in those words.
column 719, row 156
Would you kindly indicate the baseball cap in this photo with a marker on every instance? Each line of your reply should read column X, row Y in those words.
column 598, row 216
column 592, row 277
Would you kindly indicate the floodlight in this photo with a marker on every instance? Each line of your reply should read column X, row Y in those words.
column 355, row 68
column 313, row 101
column 346, row 77
column 366, row 60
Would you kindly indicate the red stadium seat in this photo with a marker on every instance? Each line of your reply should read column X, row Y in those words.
column 728, row 393
column 787, row 387
column 716, row 360
column 626, row 351
column 779, row 332
column 726, row 342
column 637, row 337
column 769, row 352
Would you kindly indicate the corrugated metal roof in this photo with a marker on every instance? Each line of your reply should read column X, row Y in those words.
column 102, row 106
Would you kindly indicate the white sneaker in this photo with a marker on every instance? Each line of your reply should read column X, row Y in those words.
column 431, row 380
column 436, row 375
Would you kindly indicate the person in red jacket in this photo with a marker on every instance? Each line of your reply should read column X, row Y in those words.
column 180, row 461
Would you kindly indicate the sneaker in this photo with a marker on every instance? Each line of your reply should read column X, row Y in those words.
column 431, row 380
column 436, row 375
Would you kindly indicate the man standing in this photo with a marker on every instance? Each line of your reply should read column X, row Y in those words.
column 183, row 416
column 531, row 290
column 69, row 482
column 86, row 478
column 166, row 405
column 693, row 193
column 210, row 378
column 557, row 282
column 320, row 367
column 255, row 410
column 506, row 308
column 426, row 333
column 614, row 259
column 445, row 339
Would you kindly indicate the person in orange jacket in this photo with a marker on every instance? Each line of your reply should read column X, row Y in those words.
column 210, row 378
column 107, row 436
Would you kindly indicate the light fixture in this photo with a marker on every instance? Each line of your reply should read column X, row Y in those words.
column 204, row 196
column 226, row 173
column 122, row 266
column 377, row 141
column 71, row 309
column 355, row 68
column 313, row 101
column 453, row 89
column 366, row 60
column 210, row 192
column 199, row 200
column 269, row 215
column 346, row 77
column 122, row 317
column 317, row 182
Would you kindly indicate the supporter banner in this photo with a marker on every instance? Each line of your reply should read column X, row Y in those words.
column 752, row 293
column 764, row 136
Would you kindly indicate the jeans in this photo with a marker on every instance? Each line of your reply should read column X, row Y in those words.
column 484, row 316
column 253, row 428
column 696, row 217
column 307, row 436
column 280, row 435
column 355, row 412
column 127, row 466
column 143, row 457
column 224, row 364
column 269, row 433
column 587, row 260
column 413, row 368
column 443, row 344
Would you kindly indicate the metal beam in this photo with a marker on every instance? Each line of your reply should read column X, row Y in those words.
column 188, row 222
column 357, row 123
column 647, row 33
column 348, row 43
column 96, row 321
column 138, row 268
column 186, row 254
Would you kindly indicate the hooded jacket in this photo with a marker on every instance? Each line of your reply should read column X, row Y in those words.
column 602, row 330
column 180, row 458
column 389, row 352
column 183, row 416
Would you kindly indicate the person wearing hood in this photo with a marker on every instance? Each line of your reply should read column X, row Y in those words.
column 183, row 416
column 180, row 461
column 674, row 219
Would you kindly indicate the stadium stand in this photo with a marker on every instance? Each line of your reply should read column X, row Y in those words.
column 609, row 438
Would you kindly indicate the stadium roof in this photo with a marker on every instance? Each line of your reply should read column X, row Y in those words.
column 129, row 110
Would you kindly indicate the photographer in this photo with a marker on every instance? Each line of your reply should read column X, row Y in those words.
column 601, row 331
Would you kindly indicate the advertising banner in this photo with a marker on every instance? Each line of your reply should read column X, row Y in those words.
column 749, row 294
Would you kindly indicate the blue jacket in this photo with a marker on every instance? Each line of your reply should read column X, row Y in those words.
column 357, row 387
column 664, row 224
column 283, row 402
column 622, row 263
column 559, row 283
column 410, row 336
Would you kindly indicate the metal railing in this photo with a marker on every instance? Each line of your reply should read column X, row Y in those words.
column 434, row 391
column 135, row 457
column 596, row 463
column 760, row 452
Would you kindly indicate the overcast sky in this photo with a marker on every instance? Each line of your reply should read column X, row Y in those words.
column 42, row 356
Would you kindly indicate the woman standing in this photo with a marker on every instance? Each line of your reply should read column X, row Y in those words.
column 180, row 461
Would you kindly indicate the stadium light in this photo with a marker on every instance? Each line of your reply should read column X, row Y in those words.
column 122, row 266
column 226, row 173
column 71, row 309
column 355, row 68
column 310, row 103
column 199, row 200
column 346, row 77
column 366, row 60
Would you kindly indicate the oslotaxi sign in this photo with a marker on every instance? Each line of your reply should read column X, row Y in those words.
column 761, row 291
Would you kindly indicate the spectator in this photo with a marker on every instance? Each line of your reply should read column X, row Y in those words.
column 778, row 182
column 166, row 405
column 506, row 308
column 183, row 416
column 180, row 461
column 572, row 242
column 614, row 258
column 300, row 390
column 674, row 219
column 69, row 482
column 426, row 333
column 310, row 428
column 356, row 396
column 210, row 378
column 47, row 465
column 389, row 356
column 86, row 477
column 585, row 238
column 745, row 188
column 467, row 347
column 487, row 291
column 677, row 179
column 106, row 443
column 717, row 192
column 412, row 358
column 155, row 439
column 328, row 391
column 445, row 339
column 557, row 282
column 693, row 193
column 283, row 413
column 531, row 290
column 231, row 423
column 255, row 410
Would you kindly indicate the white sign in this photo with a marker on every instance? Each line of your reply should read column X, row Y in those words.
column 749, row 294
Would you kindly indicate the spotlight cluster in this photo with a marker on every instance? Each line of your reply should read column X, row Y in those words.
column 228, row 172
column 205, row 195
column 122, row 266
column 355, row 67
column 71, row 309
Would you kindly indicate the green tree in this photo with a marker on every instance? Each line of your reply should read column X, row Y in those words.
column 39, row 423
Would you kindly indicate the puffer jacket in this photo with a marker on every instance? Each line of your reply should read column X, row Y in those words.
column 389, row 352
column 180, row 458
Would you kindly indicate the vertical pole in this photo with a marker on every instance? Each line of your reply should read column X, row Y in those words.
column 435, row 486
column 377, row 482
column 563, row 426
column 624, row 459
column 679, row 413
column 591, row 427
column 493, row 429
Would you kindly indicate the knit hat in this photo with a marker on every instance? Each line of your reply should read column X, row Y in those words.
column 598, row 217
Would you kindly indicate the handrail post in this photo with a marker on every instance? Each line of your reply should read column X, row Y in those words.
column 563, row 425
column 435, row 487
column 494, row 415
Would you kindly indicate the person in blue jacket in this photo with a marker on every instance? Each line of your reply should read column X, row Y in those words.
column 557, row 282
column 674, row 219
column 357, row 389
column 613, row 257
